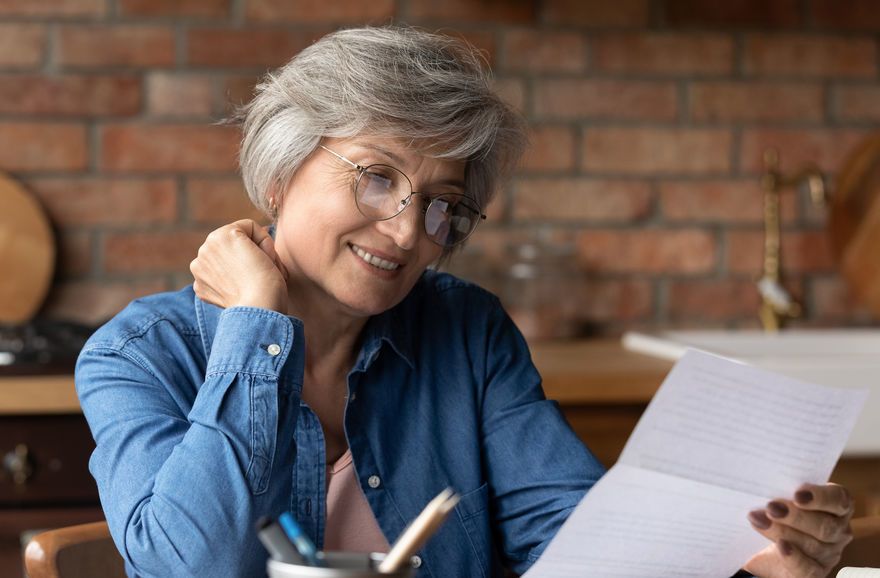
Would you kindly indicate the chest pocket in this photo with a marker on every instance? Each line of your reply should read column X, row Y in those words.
column 473, row 513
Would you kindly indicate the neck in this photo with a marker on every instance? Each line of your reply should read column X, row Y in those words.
column 332, row 334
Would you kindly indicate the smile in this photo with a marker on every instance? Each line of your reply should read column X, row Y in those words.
column 373, row 260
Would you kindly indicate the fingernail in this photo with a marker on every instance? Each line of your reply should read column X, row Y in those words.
column 759, row 519
column 803, row 496
column 784, row 547
column 777, row 509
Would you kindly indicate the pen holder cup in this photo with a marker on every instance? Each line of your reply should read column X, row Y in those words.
column 337, row 565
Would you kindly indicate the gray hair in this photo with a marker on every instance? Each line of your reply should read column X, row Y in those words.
column 388, row 81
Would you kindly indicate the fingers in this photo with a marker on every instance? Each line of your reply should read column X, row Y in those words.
column 823, row 526
column 798, row 563
column 830, row 498
column 824, row 554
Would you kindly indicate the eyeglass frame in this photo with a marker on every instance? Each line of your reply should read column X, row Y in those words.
column 408, row 200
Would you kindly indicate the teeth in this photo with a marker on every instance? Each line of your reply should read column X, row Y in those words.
column 375, row 261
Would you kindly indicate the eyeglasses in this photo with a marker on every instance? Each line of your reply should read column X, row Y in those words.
column 382, row 192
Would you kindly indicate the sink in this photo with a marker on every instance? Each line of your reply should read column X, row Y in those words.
column 833, row 357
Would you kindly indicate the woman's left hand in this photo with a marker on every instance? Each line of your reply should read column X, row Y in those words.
column 809, row 533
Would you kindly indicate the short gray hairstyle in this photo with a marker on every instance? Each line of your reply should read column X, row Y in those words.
column 389, row 81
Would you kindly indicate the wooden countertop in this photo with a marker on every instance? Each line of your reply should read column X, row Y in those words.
column 594, row 371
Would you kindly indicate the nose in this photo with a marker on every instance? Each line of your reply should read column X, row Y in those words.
column 406, row 227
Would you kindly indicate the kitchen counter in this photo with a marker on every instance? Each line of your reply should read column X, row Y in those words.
column 596, row 371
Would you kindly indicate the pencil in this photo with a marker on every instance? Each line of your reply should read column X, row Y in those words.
column 421, row 529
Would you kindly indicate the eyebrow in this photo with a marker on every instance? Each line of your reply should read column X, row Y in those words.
column 452, row 182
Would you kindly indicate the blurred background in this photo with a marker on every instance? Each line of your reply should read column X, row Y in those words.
column 649, row 121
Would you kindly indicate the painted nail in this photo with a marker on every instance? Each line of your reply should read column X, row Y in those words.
column 784, row 547
column 803, row 496
column 759, row 519
column 777, row 509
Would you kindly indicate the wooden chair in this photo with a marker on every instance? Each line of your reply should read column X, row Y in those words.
column 81, row 551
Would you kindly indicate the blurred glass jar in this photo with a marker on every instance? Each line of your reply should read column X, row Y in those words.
column 541, row 288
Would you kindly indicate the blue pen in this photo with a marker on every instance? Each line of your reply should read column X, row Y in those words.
column 299, row 539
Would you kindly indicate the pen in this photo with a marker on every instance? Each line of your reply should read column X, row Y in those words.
column 274, row 540
column 422, row 528
column 296, row 535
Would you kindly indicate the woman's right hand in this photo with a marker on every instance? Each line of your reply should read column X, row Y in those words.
column 237, row 266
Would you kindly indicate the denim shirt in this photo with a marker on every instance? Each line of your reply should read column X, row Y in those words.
column 200, row 430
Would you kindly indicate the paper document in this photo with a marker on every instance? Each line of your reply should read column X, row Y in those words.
column 719, row 438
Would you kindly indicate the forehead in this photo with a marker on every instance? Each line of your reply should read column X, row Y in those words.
column 403, row 154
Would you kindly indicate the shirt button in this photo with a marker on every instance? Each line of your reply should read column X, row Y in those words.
column 416, row 562
column 374, row 482
column 274, row 349
column 353, row 396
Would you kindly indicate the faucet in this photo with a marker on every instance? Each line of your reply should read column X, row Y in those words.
column 777, row 304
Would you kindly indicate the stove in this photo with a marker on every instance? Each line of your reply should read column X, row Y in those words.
column 44, row 347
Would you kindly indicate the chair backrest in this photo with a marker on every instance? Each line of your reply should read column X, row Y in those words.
column 864, row 550
column 81, row 551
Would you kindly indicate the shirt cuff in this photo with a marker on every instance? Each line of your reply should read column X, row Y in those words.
column 254, row 340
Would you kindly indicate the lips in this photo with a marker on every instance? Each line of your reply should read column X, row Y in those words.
column 373, row 260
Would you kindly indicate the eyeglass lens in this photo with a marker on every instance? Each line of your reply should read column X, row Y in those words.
column 384, row 192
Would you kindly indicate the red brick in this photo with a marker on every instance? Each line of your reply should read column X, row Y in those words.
column 551, row 148
column 763, row 102
column 857, row 103
column 512, row 91
column 107, row 201
column 220, row 201
column 74, row 253
column 22, row 45
column 53, row 8
column 464, row 11
column 538, row 51
column 810, row 56
column 645, row 151
column 313, row 11
column 70, row 95
column 93, row 302
column 832, row 300
column 99, row 46
column 235, row 91
column 174, row 8
column 226, row 47
column 826, row 148
column 42, row 146
column 801, row 252
column 740, row 201
column 741, row 13
column 596, row 13
column 151, row 252
column 845, row 14
column 650, row 251
column 615, row 300
column 158, row 148
column 613, row 99
column 180, row 95
column 580, row 199
column 663, row 53
column 716, row 299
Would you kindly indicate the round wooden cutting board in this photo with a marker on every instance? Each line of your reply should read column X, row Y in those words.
column 27, row 253
column 854, row 222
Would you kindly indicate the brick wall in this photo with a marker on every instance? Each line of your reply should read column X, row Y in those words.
column 649, row 119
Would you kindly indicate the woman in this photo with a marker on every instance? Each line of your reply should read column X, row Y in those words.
column 328, row 371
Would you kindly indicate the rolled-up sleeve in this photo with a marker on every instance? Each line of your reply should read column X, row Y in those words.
column 178, row 481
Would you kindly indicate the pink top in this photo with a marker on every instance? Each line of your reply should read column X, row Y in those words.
column 350, row 525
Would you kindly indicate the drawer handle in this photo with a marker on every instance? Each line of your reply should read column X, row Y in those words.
column 17, row 463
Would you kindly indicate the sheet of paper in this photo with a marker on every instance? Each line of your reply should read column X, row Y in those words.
column 719, row 438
